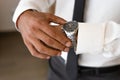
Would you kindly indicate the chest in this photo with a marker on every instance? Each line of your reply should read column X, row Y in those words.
column 95, row 10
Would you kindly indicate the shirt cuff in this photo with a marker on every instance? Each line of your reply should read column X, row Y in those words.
column 16, row 15
column 90, row 38
column 23, row 6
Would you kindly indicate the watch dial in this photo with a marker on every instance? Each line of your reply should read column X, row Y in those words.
column 70, row 26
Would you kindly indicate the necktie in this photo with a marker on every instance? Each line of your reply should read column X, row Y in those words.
column 72, row 59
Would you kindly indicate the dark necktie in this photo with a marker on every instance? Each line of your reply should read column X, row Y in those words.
column 72, row 59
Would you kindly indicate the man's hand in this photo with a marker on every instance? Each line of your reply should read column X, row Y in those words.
column 42, row 39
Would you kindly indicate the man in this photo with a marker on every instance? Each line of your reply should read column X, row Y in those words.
column 98, row 38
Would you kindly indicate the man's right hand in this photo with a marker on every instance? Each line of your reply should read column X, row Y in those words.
column 42, row 39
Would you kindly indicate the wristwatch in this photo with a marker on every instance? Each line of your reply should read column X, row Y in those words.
column 70, row 29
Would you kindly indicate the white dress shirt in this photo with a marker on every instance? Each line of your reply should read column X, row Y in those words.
column 98, row 37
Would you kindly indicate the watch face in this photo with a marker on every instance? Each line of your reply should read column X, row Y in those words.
column 70, row 26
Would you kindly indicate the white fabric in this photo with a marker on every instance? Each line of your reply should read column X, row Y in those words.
column 98, row 38
column 89, row 33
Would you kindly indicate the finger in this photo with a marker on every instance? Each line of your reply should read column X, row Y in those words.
column 38, row 54
column 58, row 27
column 41, row 48
column 34, row 52
column 50, row 41
column 57, row 35
column 55, row 19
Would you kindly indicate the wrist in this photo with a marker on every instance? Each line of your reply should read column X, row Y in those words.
column 19, row 18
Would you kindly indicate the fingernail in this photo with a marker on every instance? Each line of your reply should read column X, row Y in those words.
column 59, row 54
column 66, row 49
column 48, row 57
column 68, row 44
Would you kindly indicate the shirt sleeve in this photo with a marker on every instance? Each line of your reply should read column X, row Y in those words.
column 40, row 5
column 103, row 38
